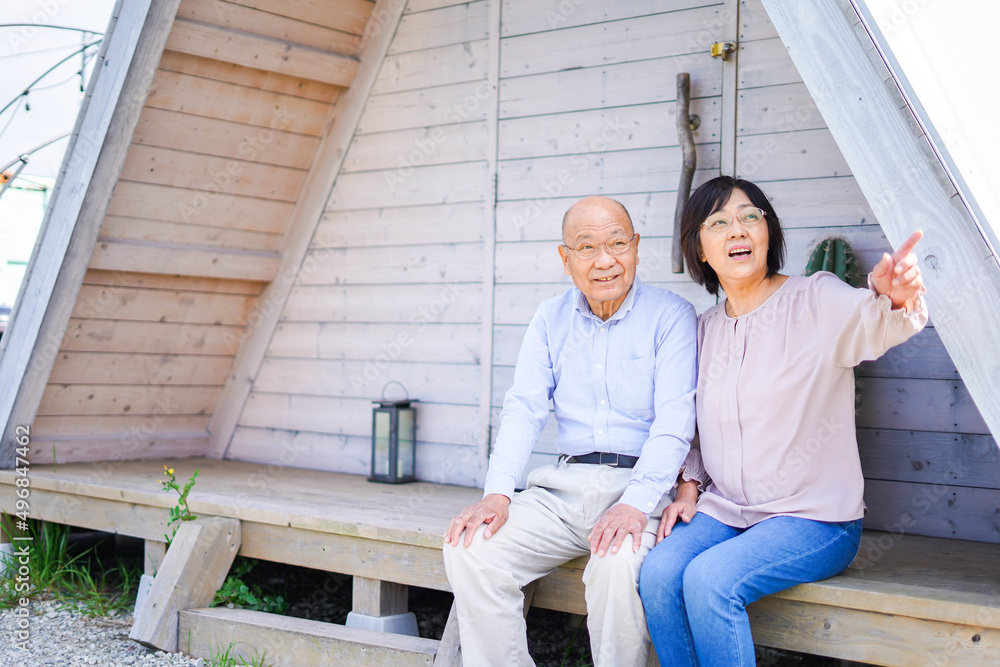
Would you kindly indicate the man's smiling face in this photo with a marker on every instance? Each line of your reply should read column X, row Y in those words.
column 606, row 278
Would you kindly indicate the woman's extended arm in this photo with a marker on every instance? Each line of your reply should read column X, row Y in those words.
column 860, row 325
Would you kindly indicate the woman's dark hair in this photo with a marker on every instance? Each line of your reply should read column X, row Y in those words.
column 706, row 200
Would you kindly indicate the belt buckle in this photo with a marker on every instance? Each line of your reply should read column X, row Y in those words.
column 610, row 460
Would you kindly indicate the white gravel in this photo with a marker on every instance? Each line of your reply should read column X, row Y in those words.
column 67, row 637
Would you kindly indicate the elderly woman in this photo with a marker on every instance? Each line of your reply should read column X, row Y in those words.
column 782, row 498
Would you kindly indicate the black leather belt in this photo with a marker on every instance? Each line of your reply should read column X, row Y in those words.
column 605, row 458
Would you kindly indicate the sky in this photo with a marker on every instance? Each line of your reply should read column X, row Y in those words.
column 939, row 46
column 26, row 52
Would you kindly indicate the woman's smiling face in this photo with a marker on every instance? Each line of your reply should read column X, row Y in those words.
column 739, row 253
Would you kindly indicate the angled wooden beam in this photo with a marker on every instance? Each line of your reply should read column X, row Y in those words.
column 903, row 179
column 266, row 53
column 193, row 569
column 104, row 128
column 326, row 166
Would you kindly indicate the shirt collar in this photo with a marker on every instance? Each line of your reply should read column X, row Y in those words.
column 584, row 308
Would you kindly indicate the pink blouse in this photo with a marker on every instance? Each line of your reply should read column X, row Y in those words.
column 775, row 400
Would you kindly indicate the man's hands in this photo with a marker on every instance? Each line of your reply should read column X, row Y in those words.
column 610, row 530
column 898, row 275
column 491, row 510
column 684, row 507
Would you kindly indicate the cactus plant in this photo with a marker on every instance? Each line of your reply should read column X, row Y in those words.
column 836, row 256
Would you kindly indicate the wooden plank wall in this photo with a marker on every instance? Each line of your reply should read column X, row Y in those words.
column 241, row 97
column 393, row 284
column 932, row 467
column 595, row 115
column 391, row 288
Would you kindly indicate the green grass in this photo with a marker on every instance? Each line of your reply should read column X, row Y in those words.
column 583, row 661
column 78, row 579
column 227, row 656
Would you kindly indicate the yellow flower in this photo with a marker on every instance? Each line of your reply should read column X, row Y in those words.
column 170, row 471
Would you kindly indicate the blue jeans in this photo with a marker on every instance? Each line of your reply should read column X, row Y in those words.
column 695, row 585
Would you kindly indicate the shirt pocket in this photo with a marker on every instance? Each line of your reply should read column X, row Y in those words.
column 634, row 386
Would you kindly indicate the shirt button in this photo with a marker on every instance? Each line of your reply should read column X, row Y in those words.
column 598, row 367
column 601, row 329
column 649, row 504
column 603, row 402
column 600, row 432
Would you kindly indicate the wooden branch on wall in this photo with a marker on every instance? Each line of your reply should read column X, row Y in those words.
column 685, row 134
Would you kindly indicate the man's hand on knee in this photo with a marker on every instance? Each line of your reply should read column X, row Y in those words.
column 610, row 530
column 491, row 510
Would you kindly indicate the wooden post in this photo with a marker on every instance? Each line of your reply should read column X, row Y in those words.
column 374, row 597
column 381, row 606
column 195, row 566
column 154, row 554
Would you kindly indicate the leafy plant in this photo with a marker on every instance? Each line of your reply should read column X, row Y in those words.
column 181, row 511
column 235, row 592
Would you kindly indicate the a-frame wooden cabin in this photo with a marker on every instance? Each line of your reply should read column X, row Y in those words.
column 271, row 209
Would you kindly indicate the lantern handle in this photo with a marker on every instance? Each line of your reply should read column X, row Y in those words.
column 395, row 382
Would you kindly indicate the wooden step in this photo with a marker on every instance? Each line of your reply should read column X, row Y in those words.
column 284, row 641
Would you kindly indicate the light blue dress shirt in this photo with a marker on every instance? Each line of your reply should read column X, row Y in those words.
column 624, row 386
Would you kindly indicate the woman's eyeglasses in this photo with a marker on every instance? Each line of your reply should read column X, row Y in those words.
column 720, row 222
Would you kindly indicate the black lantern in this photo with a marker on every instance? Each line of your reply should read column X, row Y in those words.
column 394, row 442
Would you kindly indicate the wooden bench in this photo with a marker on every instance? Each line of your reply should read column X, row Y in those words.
column 906, row 600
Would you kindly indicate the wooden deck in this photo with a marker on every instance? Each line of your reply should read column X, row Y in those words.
column 906, row 599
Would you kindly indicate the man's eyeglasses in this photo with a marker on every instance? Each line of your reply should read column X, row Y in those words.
column 617, row 245
column 720, row 222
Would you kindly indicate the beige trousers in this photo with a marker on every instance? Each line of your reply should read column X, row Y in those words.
column 548, row 525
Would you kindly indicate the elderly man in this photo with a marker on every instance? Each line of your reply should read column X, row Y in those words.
column 617, row 358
